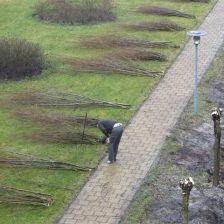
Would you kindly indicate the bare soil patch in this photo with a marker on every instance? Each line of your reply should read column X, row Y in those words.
column 194, row 156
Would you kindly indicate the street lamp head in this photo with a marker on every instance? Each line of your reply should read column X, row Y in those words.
column 196, row 34
column 196, row 40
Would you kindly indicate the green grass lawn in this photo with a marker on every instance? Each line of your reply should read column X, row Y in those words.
column 59, row 42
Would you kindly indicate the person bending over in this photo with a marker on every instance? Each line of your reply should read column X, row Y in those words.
column 113, row 132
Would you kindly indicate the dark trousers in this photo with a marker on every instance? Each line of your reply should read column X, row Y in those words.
column 115, row 138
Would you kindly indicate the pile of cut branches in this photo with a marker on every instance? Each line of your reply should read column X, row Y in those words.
column 203, row 1
column 59, row 120
column 55, row 98
column 154, row 26
column 110, row 66
column 163, row 11
column 40, row 164
column 19, row 196
column 111, row 41
column 137, row 54
column 67, row 134
column 67, row 137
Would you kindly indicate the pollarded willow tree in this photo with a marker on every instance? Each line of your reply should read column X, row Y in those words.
column 216, row 115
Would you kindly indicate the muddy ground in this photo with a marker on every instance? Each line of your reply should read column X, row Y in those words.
column 194, row 155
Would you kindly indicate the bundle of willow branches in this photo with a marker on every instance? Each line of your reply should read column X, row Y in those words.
column 67, row 137
column 54, row 98
column 19, row 196
column 137, row 54
column 110, row 66
column 163, row 11
column 203, row 1
column 41, row 164
column 154, row 26
column 112, row 41
column 59, row 120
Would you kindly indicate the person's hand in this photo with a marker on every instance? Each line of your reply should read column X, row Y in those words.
column 103, row 140
column 108, row 140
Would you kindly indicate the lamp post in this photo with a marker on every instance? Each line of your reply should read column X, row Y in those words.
column 196, row 37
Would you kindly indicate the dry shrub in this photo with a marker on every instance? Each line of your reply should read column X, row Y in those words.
column 75, row 12
column 109, row 66
column 163, row 11
column 154, row 26
column 112, row 41
column 137, row 54
column 19, row 59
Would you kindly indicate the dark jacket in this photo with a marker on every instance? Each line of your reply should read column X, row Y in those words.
column 106, row 126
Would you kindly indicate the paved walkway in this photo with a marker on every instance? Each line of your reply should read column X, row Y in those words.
column 109, row 191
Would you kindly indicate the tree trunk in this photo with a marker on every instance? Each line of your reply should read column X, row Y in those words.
column 216, row 153
column 185, row 205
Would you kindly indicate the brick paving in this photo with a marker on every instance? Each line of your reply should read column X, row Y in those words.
column 110, row 189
